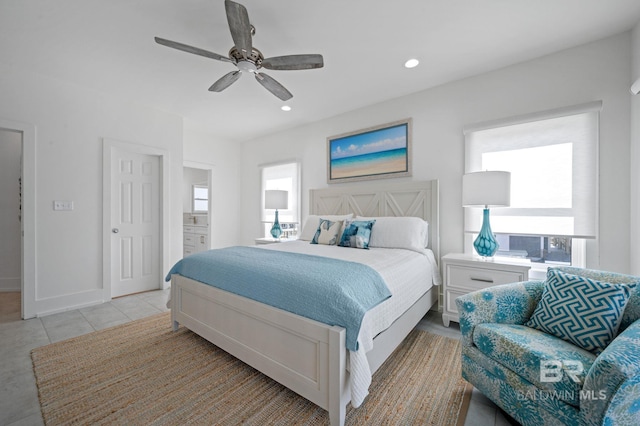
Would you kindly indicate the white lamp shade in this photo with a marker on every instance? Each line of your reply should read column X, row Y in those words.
column 490, row 188
column 276, row 199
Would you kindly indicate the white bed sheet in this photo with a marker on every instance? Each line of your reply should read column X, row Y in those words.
column 408, row 275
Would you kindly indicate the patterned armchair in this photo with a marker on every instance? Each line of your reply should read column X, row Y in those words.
column 569, row 358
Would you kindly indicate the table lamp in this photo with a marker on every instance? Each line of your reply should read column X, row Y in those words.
column 276, row 199
column 486, row 189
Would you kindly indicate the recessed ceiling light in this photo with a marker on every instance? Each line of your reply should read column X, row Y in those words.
column 411, row 63
column 285, row 108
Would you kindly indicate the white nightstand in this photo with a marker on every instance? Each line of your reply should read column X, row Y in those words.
column 464, row 273
column 271, row 240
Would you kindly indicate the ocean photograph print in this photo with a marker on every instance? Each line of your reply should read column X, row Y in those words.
column 377, row 152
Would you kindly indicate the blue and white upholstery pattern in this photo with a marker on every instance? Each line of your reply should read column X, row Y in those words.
column 504, row 304
column 580, row 310
column 499, row 357
column 508, row 389
column 523, row 349
column 614, row 375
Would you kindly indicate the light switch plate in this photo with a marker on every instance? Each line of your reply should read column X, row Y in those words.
column 62, row 205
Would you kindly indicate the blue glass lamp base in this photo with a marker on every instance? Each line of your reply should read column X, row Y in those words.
column 276, row 230
column 486, row 244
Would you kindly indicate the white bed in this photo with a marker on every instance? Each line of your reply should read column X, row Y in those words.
column 307, row 356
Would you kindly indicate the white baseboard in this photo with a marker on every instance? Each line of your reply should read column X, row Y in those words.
column 54, row 305
column 10, row 284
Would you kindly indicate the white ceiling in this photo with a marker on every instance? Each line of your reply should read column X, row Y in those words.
column 108, row 46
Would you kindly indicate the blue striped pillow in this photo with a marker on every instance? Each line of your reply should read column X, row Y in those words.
column 580, row 310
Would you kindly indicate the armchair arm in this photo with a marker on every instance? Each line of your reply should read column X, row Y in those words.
column 611, row 389
column 508, row 304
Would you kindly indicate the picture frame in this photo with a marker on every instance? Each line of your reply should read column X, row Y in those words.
column 377, row 152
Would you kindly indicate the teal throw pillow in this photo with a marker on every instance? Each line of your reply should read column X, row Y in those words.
column 580, row 310
column 357, row 234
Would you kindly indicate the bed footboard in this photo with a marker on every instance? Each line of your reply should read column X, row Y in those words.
column 306, row 356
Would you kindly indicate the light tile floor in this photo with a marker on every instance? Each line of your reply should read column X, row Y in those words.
column 18, row 393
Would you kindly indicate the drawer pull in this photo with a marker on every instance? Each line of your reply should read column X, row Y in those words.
column 484, row 280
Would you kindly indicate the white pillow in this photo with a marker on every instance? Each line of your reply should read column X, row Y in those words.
column 313, row 221
column 410, row 233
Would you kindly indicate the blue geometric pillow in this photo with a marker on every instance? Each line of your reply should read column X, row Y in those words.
column 632, row 310
column 357, row 234
column 580, row 310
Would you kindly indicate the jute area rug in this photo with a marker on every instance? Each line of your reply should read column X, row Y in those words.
column 143, row 373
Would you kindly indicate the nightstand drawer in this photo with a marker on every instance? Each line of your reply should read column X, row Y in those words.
column 465, row 273
column 478, row 278
column 450, row 297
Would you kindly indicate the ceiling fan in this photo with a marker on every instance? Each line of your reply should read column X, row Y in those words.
column 247, row 58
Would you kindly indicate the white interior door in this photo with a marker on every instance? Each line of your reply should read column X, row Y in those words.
column 135, row 223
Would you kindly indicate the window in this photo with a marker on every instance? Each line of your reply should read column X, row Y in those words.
column 200, row 199
column 553, row 160
column 286, row 177
column 539, row 249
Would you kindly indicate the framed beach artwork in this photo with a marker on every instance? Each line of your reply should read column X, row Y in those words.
column 374, row 153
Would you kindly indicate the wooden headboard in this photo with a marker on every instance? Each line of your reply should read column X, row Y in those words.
column 419, row 199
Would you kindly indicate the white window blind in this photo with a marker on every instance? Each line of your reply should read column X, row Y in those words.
column 284, row 177
column 553, row 160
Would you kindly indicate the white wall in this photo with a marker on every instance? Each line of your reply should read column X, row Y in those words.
column 10, row 228
column 596, row 71
column 71, row 123
column 635, row 154
column 224, row 158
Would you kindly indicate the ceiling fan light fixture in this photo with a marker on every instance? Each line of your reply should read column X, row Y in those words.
column 411, row 63
column 285, row 108
column 247, row 66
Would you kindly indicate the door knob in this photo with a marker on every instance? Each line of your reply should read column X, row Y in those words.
column 115, row 230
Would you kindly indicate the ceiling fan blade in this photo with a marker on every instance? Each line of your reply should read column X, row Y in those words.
column 273, row 86
column 293, row 62
column 225, row 81
column 238, row 19
column 191, row 49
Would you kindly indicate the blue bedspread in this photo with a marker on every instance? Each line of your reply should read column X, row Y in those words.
column 332, row 291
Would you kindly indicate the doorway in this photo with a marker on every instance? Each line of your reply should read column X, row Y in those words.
column 27, row 233
column 10, row 211
column 135, row 219
column 197, row 205
column 136, row 224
